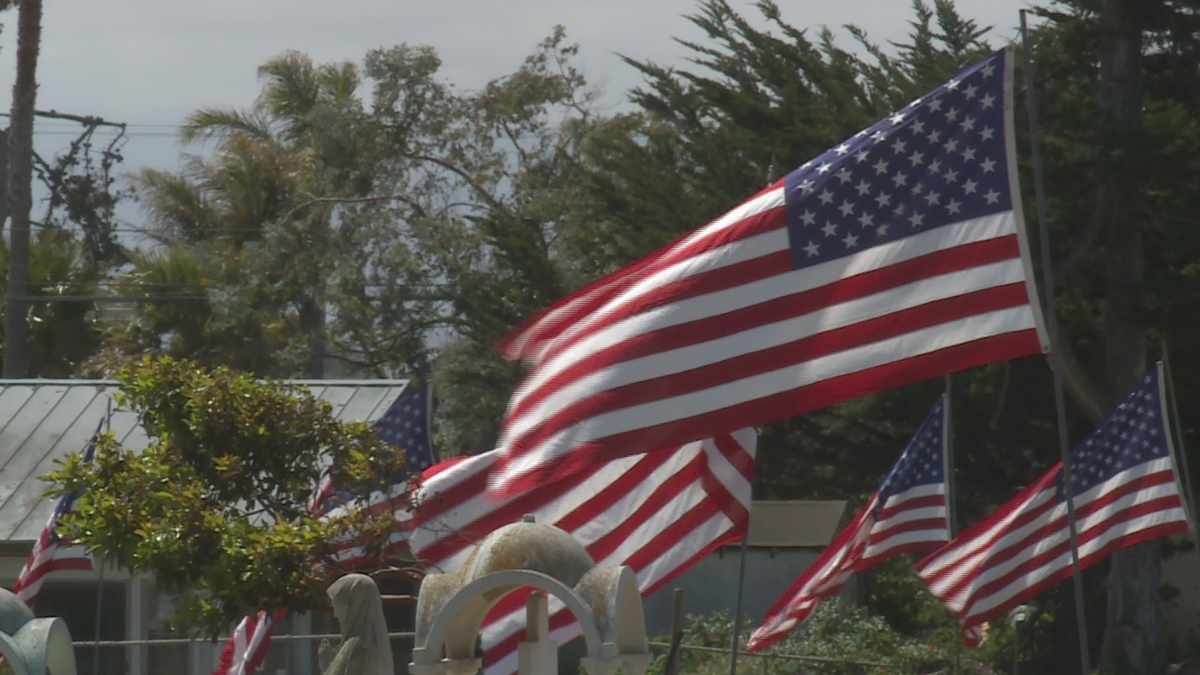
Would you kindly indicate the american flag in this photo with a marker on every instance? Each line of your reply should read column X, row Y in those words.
column 52, row 553
column 895, row 256
column 405, row 424
column 1126, row 492
column 908, row 513
column 659, row 513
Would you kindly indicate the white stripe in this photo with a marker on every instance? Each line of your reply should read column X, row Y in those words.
column 724, row 255
column 909, row 515
column 817, row 276
column 898, row 348
column 882, row 546
column 915, row 492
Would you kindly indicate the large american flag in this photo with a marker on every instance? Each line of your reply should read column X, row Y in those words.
column 1126, row 492
column 52, row 553
column 659, row 513
column 908, row 513
column 895, row 256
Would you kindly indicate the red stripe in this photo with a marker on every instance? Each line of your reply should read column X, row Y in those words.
column 911, row 503
column 800, row 303
column 785, row 404
column 547, row 325
column 867, row 562
column 772, row 359
column 879, row 535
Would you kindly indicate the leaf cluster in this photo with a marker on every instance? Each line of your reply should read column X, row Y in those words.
column 218, row 505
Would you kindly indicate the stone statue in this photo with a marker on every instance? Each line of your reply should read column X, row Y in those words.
column 365, row 649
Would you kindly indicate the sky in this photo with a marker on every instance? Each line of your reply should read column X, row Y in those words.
column 149, row 63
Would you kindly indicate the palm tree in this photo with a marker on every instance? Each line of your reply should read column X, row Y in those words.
column 263, row 197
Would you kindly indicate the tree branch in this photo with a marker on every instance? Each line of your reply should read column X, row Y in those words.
column 287, row 217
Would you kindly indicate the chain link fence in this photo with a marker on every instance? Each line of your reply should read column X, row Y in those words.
column 287, row 655
column 298, row 655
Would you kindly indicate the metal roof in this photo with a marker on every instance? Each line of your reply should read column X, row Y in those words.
column 45, row 420
column 796, row 523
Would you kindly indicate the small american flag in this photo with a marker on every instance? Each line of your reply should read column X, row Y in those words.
column 1126, row 492
column 895, row 256
column 908, row 513
column 405, row 424
column 50, row 552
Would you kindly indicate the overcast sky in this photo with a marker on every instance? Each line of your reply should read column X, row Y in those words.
column 150, row 62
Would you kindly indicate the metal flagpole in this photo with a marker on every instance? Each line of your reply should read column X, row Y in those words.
column 100, row 564
column 951, row 512
column 1053, row 356
column 1173, row 404
column 737, row 603
column 441, row 414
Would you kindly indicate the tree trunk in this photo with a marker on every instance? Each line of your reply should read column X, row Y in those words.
column 1133, row 639
column 20, row 200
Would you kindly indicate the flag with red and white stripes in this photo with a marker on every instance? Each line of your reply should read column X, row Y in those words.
column 1126, row 491
column 658, row 513
column 908, row 513
column 52, row 553
column 896, row 256
column 246, row 649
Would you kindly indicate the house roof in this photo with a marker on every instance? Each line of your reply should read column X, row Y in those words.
column 45, row 420
column 795, row 523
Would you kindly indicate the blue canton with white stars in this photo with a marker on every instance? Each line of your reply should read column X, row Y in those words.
column 406, row 425
column 1134, row 433
column 923, row 461
column 940, row 160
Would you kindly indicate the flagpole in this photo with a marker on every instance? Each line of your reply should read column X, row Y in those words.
column 100, row 563
column 951, row 512
column 1053, row 356
column 1177, row 448
column 441, row 414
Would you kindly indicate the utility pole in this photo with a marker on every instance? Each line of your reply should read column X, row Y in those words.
column 20, row 199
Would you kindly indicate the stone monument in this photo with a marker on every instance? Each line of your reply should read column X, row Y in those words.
column 365, row 649
column 604, row 600
column 33, row 646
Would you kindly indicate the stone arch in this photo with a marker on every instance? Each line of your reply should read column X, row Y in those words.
column 459, row 620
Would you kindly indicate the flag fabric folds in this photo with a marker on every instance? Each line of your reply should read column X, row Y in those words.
column 659, row 513
column 895, row 256
column 907, row 513
column 52, row 553
column 1126, row 492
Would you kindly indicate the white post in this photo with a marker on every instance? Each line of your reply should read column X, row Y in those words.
column 538, row 654
column 137, row 625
